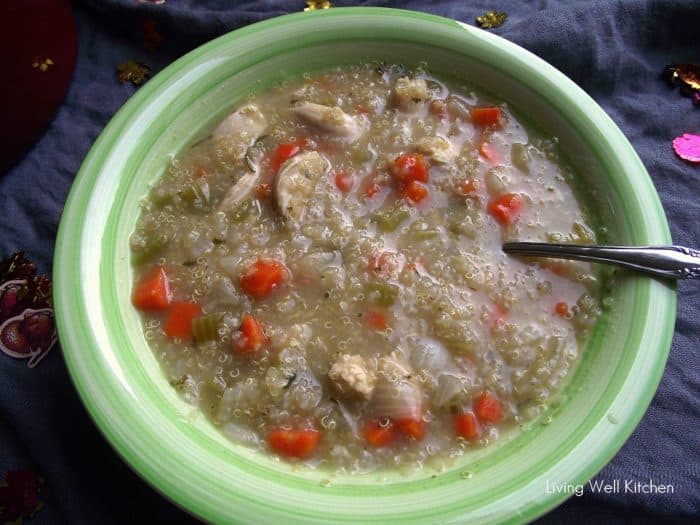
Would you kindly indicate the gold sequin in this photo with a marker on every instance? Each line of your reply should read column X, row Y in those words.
column 134, row 72
column 685, row 75
column 313, row 5
column 42, row 65
column 491, row 19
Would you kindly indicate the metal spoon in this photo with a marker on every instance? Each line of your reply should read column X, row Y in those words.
column 675, row 262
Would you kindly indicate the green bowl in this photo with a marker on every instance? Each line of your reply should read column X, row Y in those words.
column 181, row 454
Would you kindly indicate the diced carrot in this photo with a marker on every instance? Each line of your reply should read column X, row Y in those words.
column 438, row 107
column 180, row 317
column 308, row 143
column 263, row 191
column 561, row 309
column 283, row 153
column 506, row 208
column 262, row 277
column 488, row 408
column 498, row 315
column 379, row 433
column 415, row 191
column 200, row 172
column 417, row 266
column 252, row 335
column 556, row 268
column 468, row 187
column 372, row 190
column 294, row 443
column 410, row 167
column 153, row 291
column 486, row 116
column 490, row 153
column 385, row 264
column 413, row 428
column 343, row 181
column 467, row 426
column 376, row 320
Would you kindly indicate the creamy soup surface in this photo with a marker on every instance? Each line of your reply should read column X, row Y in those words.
column 323, row 274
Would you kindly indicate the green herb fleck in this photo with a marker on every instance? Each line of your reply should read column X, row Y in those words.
column 290, row 380
column 178, row 383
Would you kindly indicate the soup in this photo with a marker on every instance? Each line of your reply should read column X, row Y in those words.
column 323, row 276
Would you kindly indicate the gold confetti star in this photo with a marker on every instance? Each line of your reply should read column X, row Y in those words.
column 313, row 5
column 42, row 65
column 491, row 19
column 134, row 72
column 685, row 75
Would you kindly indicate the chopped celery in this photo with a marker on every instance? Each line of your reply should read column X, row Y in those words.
column 241, row 212
column 463, row 347
column 421, row 231
column 388, row 220
column 464, row 226
column 423, row 235
column 161, row 196
column 583, row 233
column 360, row 154
column 152, row 247
column 206, row 328
column 196, row 195
column 383, row 294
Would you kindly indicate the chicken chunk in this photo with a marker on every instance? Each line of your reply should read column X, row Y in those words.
column 296, row 182
column 397, row 394
column 240, row 191
column 238, row 132
column 330, row 119
column 394, row 366
column 409, row 92
column 246, row 122
column 244, row 126
column 351, row 375
column 324, row 270
column 438, row 148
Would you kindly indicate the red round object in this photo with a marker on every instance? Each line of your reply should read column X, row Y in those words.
column 40, row 45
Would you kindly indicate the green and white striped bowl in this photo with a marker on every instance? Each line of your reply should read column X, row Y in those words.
column 174, row 447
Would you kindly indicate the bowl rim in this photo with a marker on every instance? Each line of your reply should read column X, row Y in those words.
column 67, row 274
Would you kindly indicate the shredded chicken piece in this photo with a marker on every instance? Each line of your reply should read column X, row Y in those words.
column 247, row 122
column 350, row 374
column 242, row 128
column 396, row 394
column 394, row 366
column 296, row 182
column 409, row 92
column 438, row 148
column 330, row 119
column 240, row 191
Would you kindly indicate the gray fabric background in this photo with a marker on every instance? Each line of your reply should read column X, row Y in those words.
column 615, row 50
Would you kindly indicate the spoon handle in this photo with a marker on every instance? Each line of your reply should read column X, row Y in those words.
column 675, row 262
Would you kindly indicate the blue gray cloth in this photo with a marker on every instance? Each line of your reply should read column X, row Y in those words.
column 615, row 50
